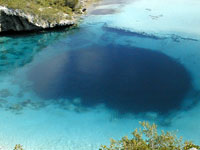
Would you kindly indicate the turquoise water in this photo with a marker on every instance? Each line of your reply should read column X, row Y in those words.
column 77, row 88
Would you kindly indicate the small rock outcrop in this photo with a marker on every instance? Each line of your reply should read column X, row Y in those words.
column 17, row 20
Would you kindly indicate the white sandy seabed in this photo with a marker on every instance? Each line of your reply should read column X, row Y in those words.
column 46, row 126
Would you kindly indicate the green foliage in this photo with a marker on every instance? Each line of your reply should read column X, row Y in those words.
column 147, row 138
column 189, row 144
column 51, row 10
column 18, row 147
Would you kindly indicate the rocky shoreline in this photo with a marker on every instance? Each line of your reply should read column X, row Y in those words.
column 15, row 20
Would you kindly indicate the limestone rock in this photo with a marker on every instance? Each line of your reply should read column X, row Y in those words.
column 17, row 20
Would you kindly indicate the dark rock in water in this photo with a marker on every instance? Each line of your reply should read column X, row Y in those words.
column 128, row 79
column 84, row 9
column 131, row 33
column 103, row 11
column 111, row 2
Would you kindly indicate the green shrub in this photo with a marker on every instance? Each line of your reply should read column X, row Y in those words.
column 147, row 138
column 18, row 147
column 50, row 10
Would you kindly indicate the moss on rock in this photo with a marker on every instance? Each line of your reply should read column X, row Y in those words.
column 51, row 10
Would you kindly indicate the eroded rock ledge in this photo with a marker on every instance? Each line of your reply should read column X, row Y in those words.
column 17, row 20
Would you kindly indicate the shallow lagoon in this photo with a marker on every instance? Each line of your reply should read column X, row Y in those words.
column 73, row 89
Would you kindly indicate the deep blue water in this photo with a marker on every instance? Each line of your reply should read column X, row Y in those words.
column 127, row 79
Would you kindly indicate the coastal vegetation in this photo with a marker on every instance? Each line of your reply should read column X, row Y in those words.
column 51, row 10
column 148, row 138
column 18, row 147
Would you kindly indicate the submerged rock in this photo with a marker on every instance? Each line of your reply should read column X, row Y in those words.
column 17, row 20
column 5, row 93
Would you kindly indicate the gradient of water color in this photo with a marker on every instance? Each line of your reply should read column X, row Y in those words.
column 77, row 88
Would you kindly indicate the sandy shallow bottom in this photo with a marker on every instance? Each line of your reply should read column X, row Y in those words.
column 63, row 124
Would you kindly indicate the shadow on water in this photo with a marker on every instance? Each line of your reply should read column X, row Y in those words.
column 127, row 79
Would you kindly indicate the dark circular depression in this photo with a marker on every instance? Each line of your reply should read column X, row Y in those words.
column 127, row 79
